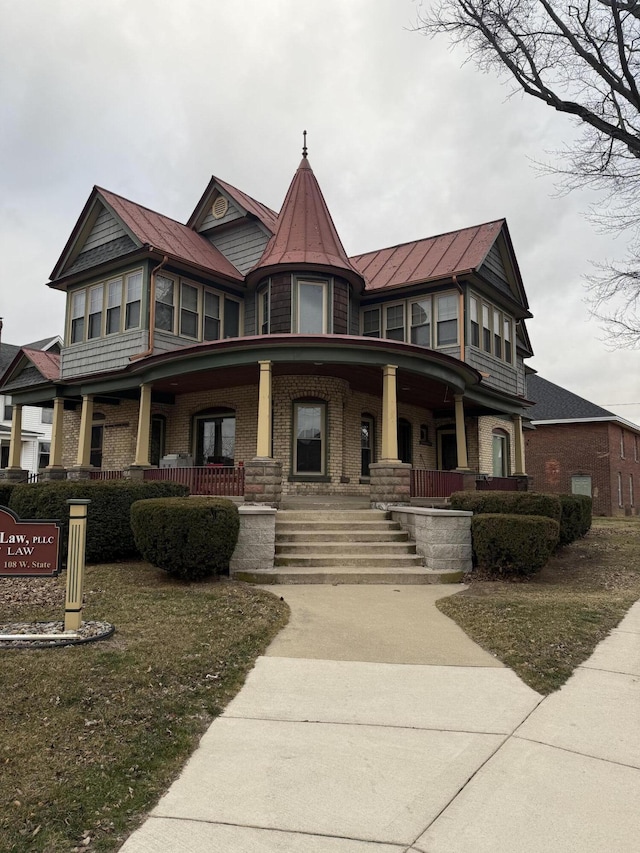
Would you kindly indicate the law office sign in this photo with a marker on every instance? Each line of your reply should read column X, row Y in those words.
column 28, row 548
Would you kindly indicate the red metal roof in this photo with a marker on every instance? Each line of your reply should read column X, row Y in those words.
column 267, row 216
column 48, row 363
column 305, row 233
column 431, row 258
column 168, row 236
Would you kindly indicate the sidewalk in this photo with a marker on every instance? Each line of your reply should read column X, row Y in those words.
column 374, row 724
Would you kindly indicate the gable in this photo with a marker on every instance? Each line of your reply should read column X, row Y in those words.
column 494, row 269
column 500, row 269
column 220, row 210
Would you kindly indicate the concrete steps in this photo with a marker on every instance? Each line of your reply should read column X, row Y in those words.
column 344, row 545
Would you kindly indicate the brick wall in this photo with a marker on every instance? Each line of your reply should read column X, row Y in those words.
column 555, row 452
column 486, row 426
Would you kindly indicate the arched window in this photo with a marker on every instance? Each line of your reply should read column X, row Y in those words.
column 214, row 433
column 500, row 442
column 405, row 441
column 367, row 443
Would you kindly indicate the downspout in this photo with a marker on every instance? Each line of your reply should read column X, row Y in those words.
column 152, row 310
column 460, row 316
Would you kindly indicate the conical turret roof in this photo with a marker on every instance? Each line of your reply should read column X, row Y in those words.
column 305, row 235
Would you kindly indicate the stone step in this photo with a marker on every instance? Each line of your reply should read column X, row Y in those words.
column 285, row 526
column 350, row 575
column 355, row 535
column 325, row 515
column 358, row 549
column 322, row 560
column 337, row 503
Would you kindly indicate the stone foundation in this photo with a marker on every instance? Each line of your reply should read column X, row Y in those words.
column 48, row 474
column 14, row 475
column 263, row 482
column 256, row 540
column 442, row 536
column 390, row 483
column 79, row 473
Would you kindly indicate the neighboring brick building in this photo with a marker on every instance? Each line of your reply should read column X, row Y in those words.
column 578, row 447
column 250, row 341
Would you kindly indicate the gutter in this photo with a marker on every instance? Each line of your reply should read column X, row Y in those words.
column 152, row 310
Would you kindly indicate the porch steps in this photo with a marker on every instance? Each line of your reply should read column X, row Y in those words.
column 346, row 546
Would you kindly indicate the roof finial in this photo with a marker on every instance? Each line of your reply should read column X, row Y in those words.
column 304, row 144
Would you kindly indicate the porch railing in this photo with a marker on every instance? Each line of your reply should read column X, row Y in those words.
column 493, row 484
column 435, row 484
column 106, row 475
column 205, row 480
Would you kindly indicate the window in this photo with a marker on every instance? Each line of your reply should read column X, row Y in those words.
column 421, row 322
column 497, row 340
column 508, row 353
column 189, row 311
column 621, row 443
column 46, row 416
column 312, row 307
column 8, row 408
column 486, row 329
column 78, row 302
column 581, row 484
column 395, row 323
column 631, row 490
column 215, row 438
column 158, row 432
column 114, row 305
column 447, row 320
column 500, row 443
column 619, row 489
column 263, row 312
column 405, row 440
column 96, row 295
column 371, row 322
column 367, row 432
column 134, row 297
column 424, row 434
column 309, row 428
column 231, row 326
column 211, row 331
column 164, row 303
column 474, row 337
column 44, row 449
column 97, row 437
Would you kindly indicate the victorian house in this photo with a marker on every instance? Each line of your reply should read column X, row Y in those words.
column 246, row 353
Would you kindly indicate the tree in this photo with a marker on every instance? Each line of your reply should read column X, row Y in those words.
column 581, row 58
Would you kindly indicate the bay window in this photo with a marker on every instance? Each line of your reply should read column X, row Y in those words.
column 421, row 322
column 394, row 326
column 263, row 311
column 497, row 339
column 133, row 301
column 474, row 337
column 371, row 322
column 78, row 302
column 231, row 321
column 189, row 311
column 486, row 329
column 164, row 303
column 311, row 307
column 211, row 330
column 114, row 305
column 447, row 325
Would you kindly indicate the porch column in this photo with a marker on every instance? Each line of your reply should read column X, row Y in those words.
column 519, row 446
column 144, row 428
column 15, row 445
column 55, row 455
column 389, row 414
column 461, row 435
column 84, row 441
column 263, row 448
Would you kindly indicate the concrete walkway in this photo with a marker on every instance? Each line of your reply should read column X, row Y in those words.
column 374, row 724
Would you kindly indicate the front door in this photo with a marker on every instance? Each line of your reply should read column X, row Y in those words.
column 447, row 451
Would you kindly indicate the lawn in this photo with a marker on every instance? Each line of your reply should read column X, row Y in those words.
column 91, row 735
column 545, row 626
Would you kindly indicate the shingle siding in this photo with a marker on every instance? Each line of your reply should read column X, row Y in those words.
column 102, row 354
column 242, row 246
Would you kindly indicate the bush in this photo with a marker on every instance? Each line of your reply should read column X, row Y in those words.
column 576, row 518
column 6, row 490
column 586, row 513
column 109, row 535
column 513, row 503
column 513, row 544
column 191, row 539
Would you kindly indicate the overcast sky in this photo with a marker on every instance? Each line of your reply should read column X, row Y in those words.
column 149, row 98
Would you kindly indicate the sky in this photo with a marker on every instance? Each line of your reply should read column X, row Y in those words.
column 149, row 98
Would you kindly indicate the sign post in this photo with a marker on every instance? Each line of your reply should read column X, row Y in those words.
column 75, row 563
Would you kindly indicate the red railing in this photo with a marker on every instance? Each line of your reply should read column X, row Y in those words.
column 205, row 480
column 496, row 484
column 106, row 475
column 434, row 484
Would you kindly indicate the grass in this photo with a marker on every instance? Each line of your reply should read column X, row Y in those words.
column 91, row 736
column 545, row 626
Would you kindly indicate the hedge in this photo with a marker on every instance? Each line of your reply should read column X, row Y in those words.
column 513, row 544
column 191, row 539
column 514, row 503
column 576, row 517
column 6, row 490
column 109, row 535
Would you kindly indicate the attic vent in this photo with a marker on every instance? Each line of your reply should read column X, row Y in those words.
column 219, row 207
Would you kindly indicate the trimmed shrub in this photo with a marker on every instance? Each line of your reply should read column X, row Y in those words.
column 6, row 490
column 576, row 518
column 109, row 535
column 191, row 539
column 513, row 503
column 513, row 544
column 586, row 513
